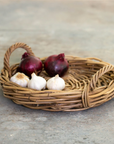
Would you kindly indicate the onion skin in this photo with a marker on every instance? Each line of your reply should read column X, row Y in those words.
column 25, row 55
column 30, row 64
column 56, row 64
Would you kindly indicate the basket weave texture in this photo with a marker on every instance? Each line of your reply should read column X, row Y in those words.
column 89, row 83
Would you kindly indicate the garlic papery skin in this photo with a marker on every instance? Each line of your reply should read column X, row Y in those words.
column 20, row 79
column 37, row 82
column 56, row 83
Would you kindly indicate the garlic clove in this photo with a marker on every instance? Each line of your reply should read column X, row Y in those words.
column 56, row 83
column 20, row 79
column 37, row 82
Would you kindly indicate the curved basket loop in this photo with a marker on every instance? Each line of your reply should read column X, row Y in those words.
column 98, row 74
column 10, row 50
column 92, row 84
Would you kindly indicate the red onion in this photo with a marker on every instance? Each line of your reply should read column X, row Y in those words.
column 29, row 64
column 56, row 64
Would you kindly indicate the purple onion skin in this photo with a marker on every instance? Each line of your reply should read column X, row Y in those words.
column 25, row 55
column 56, row 64
column 30, row 64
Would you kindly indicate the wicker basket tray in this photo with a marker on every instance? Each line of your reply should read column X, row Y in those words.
column 89, row 83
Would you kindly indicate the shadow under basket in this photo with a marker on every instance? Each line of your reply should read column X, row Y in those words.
column 89, row 82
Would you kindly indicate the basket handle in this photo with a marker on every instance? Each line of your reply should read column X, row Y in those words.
column 92, row 84
column 98, row 74
column 10, row 50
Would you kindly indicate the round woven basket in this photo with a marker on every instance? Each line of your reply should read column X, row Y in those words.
column 89, row 82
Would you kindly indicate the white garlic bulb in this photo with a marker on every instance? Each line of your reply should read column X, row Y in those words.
column 20, row 79
column 37, row 82
column 56, row 83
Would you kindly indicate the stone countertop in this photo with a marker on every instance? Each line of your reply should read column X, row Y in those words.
column 75, row 27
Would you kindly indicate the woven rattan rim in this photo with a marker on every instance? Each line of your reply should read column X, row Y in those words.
column 89, row 83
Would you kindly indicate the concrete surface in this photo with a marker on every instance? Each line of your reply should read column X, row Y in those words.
column 83, row 28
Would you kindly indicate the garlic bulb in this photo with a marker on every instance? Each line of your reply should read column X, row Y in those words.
column 37, row 82
column 20, row 79
column 56, row 83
